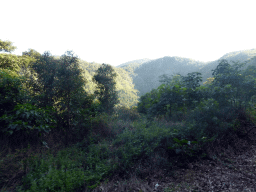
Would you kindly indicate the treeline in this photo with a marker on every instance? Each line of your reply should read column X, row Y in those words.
column 182, row 98
column 41, row 92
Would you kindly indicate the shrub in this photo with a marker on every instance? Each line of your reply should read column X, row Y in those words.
column 127, row 114
column 142, row 143
column 10, row 90
column 69, row 170
column 208, row 120
column 27, row 120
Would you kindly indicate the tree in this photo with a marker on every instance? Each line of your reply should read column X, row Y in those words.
column 32, row 53
column 192, row 83
column 69, row 86
column 173, row 80
column 60, row 84
column 21, row 65
column 192, row 80
column 44, row 91
column 227, row 74
column 231, row 85
column 10, row 88
column 106, row 92
column 6, row 46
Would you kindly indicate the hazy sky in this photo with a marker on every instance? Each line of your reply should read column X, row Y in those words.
column 118, row 31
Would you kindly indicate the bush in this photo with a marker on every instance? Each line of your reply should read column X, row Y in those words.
column 10, row 89
column 69, row 170
column 142, row 143
column 26, row 121
column 208, row 120
column 127, row 114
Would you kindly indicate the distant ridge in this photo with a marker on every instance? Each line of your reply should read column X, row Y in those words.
column 145, row 73
column 138, row 61
column 242, row 55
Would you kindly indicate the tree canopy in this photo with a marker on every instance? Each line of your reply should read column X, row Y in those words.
column 6, row 46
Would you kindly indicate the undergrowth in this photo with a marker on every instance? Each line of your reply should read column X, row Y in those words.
column 119, row 148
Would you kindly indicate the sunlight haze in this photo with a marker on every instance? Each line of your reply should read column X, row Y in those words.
column 115, row 32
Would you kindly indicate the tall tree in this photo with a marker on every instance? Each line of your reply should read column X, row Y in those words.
column 231, row 84
column 32, row 53
column 6, row 46
column 106, row 92
column 10, row 88
column 10, row 61
column 192, row 82
column 45, row 67
column 69, row 85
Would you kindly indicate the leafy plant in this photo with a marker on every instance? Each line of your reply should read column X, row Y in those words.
column 68, row 171
column 27, row 119
column 106, row 88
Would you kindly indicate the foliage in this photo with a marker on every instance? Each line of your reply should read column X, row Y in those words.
column 68, row 85
column 10, row 89
column 231, row 85
column 60, row 84
column 145, row 102
column 28, row 118
column 208, row 119
column 32, row 53
column 127, row 94
column 6, row 46
column 67, row 171
column 106, row 92
column 173, row 80
column 209, row 81
column 171, row 97
column 44, row 88
column 140, row 143
column 191, row 81
column 125, row 113
column 42, row 92
column 9, row 61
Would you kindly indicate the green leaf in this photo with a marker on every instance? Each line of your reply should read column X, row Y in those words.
column 177, row 140
column 184, row 141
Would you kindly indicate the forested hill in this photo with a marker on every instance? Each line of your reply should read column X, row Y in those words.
column 137, row 62
column 136, row 78
column 146, row 73
column 130, row 66
column 127, row 94
column 248, row 56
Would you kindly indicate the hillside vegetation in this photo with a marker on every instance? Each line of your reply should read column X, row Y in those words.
column 146, row 73
column 127, row 94
column 184, row 135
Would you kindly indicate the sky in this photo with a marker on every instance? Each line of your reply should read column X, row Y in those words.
column 118, row 31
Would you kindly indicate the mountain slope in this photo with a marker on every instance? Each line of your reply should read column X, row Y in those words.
column 238, row 56
column 136, row 78
column 124, row 83
column 146, row 74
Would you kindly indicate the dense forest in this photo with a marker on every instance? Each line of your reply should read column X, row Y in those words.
column 70, row 125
